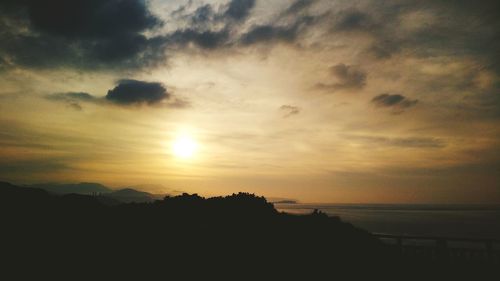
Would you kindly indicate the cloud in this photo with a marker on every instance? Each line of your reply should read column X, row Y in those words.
column 127, row 93
column 275, row 33
column 94, row 34
column 176, row 102
column 299, row 6
column 80, row 33
column 90, row 18
column 210, row 30
column 204, row 39
column 269, row 33
column 232, row 13
column 354, row 20
column 407, row 142
column 395, row 101
column 239, row 9
column 203, row 15
column 73, row 99
column 72, row 96
column 134, row 92
column 348, row 78
column 427, row 28
column 290, row 110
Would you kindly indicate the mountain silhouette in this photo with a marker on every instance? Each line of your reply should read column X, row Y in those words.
column 240, row 236
column 129, row 195
column 108, row 195
column 77, row 188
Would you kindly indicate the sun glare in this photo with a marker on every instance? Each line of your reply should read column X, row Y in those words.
column 184, row 147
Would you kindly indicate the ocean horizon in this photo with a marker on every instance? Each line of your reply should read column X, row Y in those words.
column 443, row 220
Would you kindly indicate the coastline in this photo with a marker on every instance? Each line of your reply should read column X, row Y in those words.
column 468, row 221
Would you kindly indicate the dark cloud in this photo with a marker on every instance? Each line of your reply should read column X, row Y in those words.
column 90, row 18
column 354, row 20
column 111, row 33
column 98, row 34
column 119, row 47
column 80, row 33
column 395, row 101
column 210, row 29
column 298, row 6
column 290, row 110
column 128, row 92
column 375, row 21
column 202, row 39
column 384, row 48
column 134, row 92
column 203, row 15
column 347, row 77
column 269, row 33
column 383, row 23
column 273, row 33
column 38, row 51
column 239, row 9
column 462, row 29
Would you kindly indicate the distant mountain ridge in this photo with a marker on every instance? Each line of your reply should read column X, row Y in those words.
column 87, row 188
column 125, row 195
column 129, row 195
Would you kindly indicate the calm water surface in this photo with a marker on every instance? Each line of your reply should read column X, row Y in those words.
column 474, row 221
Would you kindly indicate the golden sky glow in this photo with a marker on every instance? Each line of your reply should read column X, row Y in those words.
column 331, row 101
column 184, row 147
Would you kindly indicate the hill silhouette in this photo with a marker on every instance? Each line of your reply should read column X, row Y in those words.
column 76, row 188
column 108, row 195
column 129, row 195
column 241, row 236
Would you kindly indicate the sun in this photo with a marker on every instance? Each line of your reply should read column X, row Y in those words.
column 184, row 147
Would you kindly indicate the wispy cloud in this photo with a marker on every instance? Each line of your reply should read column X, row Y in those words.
column 398, row 103
column 347, row 77
column 290, row 110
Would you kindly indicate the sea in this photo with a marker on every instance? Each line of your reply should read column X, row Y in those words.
column 457, row 221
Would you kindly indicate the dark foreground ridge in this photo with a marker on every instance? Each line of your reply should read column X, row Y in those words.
column 241, row 236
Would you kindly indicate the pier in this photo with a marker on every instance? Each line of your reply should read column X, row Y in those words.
column 452, row 249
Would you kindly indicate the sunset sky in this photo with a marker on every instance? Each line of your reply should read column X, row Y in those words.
column 320, row 101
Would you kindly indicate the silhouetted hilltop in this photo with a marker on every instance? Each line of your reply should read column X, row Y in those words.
column 12, row 196
column 129, row 195
column 188, row 235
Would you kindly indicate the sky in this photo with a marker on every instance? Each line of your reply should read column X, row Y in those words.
column 320, row 101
